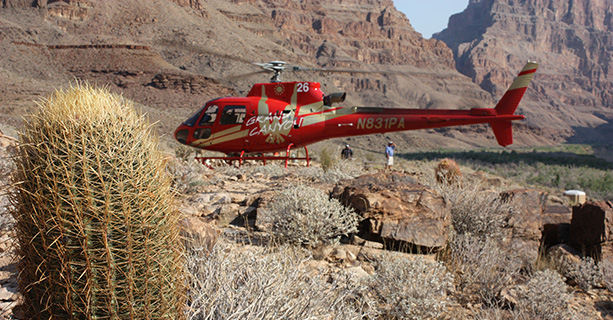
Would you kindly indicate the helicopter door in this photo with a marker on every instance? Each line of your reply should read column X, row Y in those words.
column 231, row 120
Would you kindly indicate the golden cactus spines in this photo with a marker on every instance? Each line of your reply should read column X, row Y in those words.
column 97, row 234
column 448, row 172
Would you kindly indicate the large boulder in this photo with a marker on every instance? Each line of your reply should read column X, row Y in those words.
column 396, row 209
column 591, row 229
column 526, row 223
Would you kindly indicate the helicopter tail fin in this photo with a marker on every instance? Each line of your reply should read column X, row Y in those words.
column 503, row 132
column 510, row 100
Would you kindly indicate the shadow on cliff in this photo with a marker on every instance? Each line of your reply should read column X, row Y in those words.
column 600, row 135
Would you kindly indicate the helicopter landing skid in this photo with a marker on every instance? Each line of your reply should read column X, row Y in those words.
column 263, row 158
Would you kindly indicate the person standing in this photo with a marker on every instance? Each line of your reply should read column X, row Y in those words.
column 389, row 153
column 347, row 153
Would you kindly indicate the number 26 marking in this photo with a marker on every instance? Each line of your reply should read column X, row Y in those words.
column 302, row 87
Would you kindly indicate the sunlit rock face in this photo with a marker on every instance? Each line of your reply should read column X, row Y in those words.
column 570, row 39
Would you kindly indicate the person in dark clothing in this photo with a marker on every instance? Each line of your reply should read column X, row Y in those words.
column 347, row 153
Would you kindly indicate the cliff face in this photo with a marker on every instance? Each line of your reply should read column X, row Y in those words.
column 366, row 35
column 173, row 55
column 572, row 40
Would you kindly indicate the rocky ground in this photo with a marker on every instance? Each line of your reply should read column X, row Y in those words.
column 401, row 215
column 172, row 56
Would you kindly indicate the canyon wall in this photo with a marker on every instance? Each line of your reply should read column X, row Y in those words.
column 572, row 41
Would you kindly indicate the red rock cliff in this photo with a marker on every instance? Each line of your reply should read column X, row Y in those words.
column 571, row 39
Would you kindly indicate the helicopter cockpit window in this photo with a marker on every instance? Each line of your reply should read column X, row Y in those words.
column 233, row 115
column 192, row 120
column 209, row 116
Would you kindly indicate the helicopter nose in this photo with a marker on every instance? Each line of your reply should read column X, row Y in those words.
column 181, row 134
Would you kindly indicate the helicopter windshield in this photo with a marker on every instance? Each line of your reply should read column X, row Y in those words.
column 209, row 116
column 192, row 120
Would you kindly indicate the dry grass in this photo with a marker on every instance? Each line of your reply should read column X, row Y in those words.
column 234, row 282
column 409, row 288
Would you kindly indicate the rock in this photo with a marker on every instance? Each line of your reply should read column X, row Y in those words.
column 358, row 272
column 396, row 209
column 221, row 198
column 526, row 223
column 591, row 228
column 369, row 244
column 262, row 211
column 370, row 254
column 16, row 4
column 564, row 257
column 197, row 232
column 227, row 214
column 556, row 224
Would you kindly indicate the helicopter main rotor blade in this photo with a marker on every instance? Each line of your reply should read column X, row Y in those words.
column 199, row 49
column 297, row 68
column 243, row 75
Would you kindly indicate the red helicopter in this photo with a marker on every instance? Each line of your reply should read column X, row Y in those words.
column 278, row 116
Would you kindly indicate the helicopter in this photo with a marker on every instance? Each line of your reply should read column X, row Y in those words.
column 278, row 116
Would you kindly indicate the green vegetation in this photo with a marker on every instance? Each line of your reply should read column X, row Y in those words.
column 560, row 168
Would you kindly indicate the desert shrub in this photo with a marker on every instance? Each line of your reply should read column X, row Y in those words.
column 187, row 175
column 447, row 171
column 607, row 273
column 326, row 159
column 306, row 215
column 482, row 266
column 474, row 212
column 586, row 273
column 274, row 169
column 544, row 296
column 338, row 171
column 183, row 152
column 263, row 283
column 410, row 288
column 493, row 313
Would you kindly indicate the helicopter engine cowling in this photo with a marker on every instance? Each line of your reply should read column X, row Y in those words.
column 335, row 97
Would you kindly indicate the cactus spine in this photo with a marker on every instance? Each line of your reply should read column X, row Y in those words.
column 98, row 236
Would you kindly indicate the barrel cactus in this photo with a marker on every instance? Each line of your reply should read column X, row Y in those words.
column 97, row 234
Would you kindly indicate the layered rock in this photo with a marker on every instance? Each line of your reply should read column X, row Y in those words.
column 491, row 39
column 525, row 225
column 397, row 210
